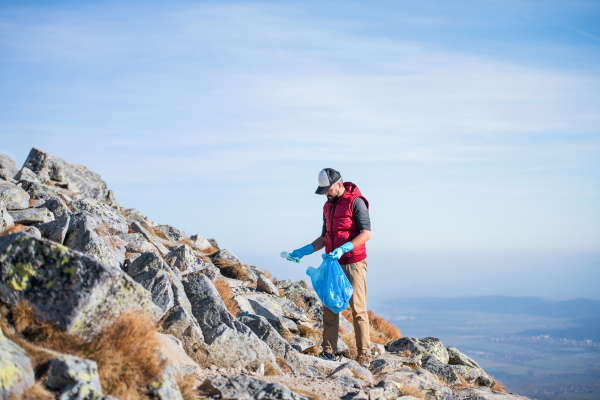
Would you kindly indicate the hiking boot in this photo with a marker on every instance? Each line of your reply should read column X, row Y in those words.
column 329, row 356
column 364, row 360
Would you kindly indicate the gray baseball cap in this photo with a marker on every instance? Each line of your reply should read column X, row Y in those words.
column 327, row 178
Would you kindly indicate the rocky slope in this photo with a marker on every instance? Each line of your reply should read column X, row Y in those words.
column 74, row 262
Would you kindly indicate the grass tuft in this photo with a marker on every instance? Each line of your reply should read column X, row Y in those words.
column 227, row 297
column 188, row 386
column 231, row 269
column 380, row 330
column 14, row 229
column 408, row 390
column 37, row 392
column 285, row 367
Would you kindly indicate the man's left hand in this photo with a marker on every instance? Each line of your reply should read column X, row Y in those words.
column 340, row 251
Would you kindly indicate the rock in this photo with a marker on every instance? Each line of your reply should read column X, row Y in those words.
column 200, row 242
column 350, row 381
column 422, row 380
column 74, row 378
column 274, row 307
column 133, row 214
column 180, row 322
column 264, row 284
column 472, row 374
column 417, row 346
column 358, row 371
column 149, row 271
column 16, row 373
column 390, row 363
column 377, row 349
column 346, row 325
column 6, row 221
column 230, row 342
column 213, row 243
column 88, row 183
column 88, row 234
column 137, row 227
column 225, row 255
column 13, row 196
column 244, row 387
column 278, row 345
column 56, row 207
column 455, row 357
column 310, row 298
column 301, row 343
column 390, row 389
column 184, row 260
column 443, row 371
column 137, row 243
column 77, row 292
column 170, row 232
column 8, row 168
column 39, row 191
column 32, row 216
column 324, row 366
column 211, row 272
column 181, row 364
column 55, row 230
column 483, row 393
column 165, row 387
column 113, row 219
column 25, row 174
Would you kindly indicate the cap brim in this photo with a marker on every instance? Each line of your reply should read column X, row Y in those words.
column 322, row 189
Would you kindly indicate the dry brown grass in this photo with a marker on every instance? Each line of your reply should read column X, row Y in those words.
column 306, row 332
column 37, row 392
column 406, row 353
column 285, row 367
column 125, row 351
column 298, row 300
column 210, row 250
column 188, row 386
column 407, row 390
column 380, row 330
column 305, row 393
column 350, row 340
column 497, row 386
column 227, row 297
column 267, row 274
column 270, row 370
column 231, row 269
column 464, row 384
column 14, row 229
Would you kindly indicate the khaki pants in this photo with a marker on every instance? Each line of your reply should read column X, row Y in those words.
column 357, row 275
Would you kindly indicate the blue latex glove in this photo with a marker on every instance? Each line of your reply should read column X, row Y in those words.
column 303, row 251
column 339, row 252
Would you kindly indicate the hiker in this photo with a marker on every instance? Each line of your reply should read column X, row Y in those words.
column 346, row 228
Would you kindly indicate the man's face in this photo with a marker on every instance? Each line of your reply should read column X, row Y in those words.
column 335, row 192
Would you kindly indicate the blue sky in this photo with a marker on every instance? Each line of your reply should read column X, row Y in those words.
column 473, row 127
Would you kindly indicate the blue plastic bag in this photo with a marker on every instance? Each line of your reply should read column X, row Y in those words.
column 331, row 284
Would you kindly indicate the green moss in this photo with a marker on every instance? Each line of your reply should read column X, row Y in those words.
column 85, row 376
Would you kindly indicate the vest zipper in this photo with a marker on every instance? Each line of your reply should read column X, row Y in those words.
column 331, row 226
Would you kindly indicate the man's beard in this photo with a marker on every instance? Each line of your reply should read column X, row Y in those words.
column 333, row 199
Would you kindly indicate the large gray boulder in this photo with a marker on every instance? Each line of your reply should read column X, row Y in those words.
column 423, row 380
column 264, row 284
column 113, row 219
column 16, row 373
column 244, row 387
column 181, row 323
column 32, row 216
column 88, row 183
column 13, row 196
column 225, row 255
column 6, row 221
column 184, row 260
column 8, row 168
column 172, row 349
column 39, row 191
column 155, row 278
column 279, row 346
column 455, row 357
column 230, row 342
column 55, row 230
column 293, row 289
column 443, row 371
column 200, row 242
column 428, row 345
column 357, row 371
column 88, row 233
column 389, row 363
column 77, row 292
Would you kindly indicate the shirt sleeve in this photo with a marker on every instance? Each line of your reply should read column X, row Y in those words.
column 361, row 215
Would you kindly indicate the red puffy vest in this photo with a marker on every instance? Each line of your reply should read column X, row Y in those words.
column 341, row 228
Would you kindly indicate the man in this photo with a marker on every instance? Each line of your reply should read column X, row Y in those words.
column 346, row 229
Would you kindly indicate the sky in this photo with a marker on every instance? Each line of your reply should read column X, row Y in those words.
column 472, row 127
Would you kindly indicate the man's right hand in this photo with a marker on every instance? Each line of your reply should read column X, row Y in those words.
column 303, row 251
